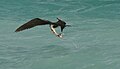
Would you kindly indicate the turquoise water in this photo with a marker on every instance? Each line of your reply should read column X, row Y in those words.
column 93, row 41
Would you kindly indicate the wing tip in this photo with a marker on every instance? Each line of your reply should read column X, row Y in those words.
column 17, row 31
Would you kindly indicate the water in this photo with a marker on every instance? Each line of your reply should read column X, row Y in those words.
column 93, row 41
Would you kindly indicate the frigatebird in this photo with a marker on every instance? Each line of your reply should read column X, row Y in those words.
column 37, row 22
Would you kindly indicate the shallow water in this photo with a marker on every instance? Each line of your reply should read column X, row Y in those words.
column 91, row 43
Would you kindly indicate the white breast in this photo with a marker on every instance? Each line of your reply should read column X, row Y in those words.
column 54, row 31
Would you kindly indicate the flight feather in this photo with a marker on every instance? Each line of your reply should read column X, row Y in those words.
column 32, row 23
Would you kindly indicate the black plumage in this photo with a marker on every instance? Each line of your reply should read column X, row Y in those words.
column 37, row 21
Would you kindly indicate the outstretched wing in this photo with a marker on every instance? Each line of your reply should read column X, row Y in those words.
column 32, row 23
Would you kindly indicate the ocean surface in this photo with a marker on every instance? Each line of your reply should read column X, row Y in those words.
column 93, row 41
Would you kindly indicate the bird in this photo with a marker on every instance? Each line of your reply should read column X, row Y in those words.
column 38, row 22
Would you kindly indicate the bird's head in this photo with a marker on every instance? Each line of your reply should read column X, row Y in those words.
column 62, row 23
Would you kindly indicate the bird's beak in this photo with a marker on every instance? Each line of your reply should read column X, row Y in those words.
column 68, row 26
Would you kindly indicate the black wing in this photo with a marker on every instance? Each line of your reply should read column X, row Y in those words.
column 61, row 23
column 32, row 23
column 62, row 27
